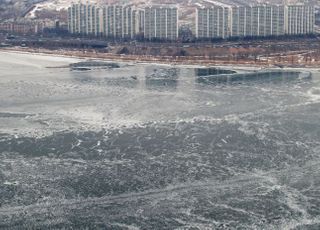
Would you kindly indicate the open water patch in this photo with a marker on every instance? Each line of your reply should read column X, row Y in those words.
column 162, row 78
column 258, row 77
column 93, row 65
column 201, row 72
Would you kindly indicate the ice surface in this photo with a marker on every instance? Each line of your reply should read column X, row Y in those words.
column 103, row 149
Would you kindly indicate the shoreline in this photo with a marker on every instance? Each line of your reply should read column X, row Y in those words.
column 144, row 60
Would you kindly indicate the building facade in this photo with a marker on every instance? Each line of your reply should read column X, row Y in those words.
column 161, row 22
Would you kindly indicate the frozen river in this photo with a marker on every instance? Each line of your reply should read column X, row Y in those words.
column 142, row 146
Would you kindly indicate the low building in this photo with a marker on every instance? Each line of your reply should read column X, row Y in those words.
column 22, row 27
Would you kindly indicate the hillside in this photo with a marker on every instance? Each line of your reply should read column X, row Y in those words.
column 13, row 9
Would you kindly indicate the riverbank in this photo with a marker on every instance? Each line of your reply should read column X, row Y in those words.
column 168, row 60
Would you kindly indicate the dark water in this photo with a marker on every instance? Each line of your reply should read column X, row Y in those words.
column 157, row 147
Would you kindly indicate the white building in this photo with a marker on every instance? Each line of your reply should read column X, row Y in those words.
column 261, row 20
column 212, row 22
column 118, row 21
column 241, row 21
column 112, row 21
column 161, row 22
column 300, row 19
column 84, row 19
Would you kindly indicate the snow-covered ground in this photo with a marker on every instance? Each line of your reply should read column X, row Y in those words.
column 55, row 5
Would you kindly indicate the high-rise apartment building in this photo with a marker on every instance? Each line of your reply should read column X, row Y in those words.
column 261, row 20
column 212, row 22
column 119, row 21
column 278, row 20
column 84, row 19
column 161, row 22
column 300, row 19
column 241, row 21
column 112, row 21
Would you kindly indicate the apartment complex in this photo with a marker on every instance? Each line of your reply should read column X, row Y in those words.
column 161, row 22
column 124, row 21
column 255, row 21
